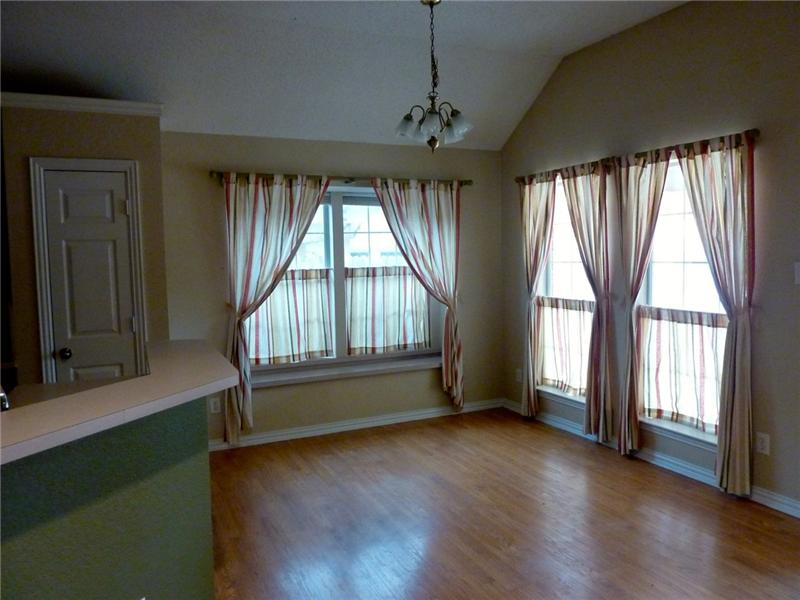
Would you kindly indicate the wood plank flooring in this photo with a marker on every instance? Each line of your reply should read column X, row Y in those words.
column 483, row 505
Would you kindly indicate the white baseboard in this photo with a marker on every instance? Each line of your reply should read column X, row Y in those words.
column 781, row 503
column 293, row 433
column 676, row 465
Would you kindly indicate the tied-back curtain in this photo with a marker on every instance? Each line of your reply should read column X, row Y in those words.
column 565, row 331
column 267, row 218
column 719, row 181
column 537, row 197
column 680, row 355
column 294, row 323
column 387, row 310
column 585, row 189
column 640, row 185
column 424, row 219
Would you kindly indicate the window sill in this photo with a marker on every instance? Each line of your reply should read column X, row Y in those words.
column 331, row 369
column 679, row 432
column 562, row 397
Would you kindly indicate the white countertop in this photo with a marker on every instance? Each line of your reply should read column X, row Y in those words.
column 180, row 371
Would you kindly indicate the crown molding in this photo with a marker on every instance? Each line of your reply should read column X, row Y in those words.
column 74, row 103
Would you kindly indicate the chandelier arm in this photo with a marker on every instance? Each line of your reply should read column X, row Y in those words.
column 411, row 110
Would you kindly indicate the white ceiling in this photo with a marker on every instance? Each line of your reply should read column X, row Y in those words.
column 310, row 70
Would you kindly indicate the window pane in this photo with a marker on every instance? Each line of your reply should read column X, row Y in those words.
column 311, row 254
column 666, row 285
column 384, row 251
column 377, row 220
column 318, row 224
column 356, row 250
column 694, row 246
column 355, row 218
column 668, row 238
column 700, row 292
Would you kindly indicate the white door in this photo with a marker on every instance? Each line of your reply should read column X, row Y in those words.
column 91, row 280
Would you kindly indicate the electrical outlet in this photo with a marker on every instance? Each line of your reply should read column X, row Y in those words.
column 518, row 375
column 214, row 405
column 762, row 443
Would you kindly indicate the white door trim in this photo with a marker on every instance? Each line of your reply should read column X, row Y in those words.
column 38, row 167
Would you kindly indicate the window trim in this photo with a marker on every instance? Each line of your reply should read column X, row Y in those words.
column 327, row 369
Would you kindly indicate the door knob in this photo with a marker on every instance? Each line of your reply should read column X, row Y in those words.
column 65, row 353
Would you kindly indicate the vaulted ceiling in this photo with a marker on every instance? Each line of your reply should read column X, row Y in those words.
column 309, row 70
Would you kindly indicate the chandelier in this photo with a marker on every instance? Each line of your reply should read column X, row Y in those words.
column 440, row 123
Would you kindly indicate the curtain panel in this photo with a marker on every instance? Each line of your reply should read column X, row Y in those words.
column 680, row 357
column 424, row 218
column 639, row 185
column 387, row 310
column 295, row 322
column 564, row 335
column 719, row 181
column 266, row 218
column 585, row 188
column 537, row 198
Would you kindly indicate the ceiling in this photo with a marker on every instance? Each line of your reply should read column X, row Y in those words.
column 342, row 71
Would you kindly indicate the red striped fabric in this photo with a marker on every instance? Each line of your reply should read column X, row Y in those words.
column 424, row 218
column 386, row 311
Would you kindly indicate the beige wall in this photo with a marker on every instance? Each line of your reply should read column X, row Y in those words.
column 194, row 223
column 50, row 133
column 702, row 70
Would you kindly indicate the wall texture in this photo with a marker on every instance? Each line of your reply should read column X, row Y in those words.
column 51, row 133
column 125, row 513
column 194, row 225
column 701, row 70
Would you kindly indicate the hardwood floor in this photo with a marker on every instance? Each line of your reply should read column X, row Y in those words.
column 483, row 505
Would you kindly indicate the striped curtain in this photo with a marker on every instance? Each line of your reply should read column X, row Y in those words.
column 681, row 355
column 295, row 321
column 640, row 185
column 537, row 196
column 585, row 188
column 719, row 181
column 387, row 310
column 266, row 218
column 565, row 331
column 424, row 219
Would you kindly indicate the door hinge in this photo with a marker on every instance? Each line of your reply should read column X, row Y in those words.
column 133, row 324
column 126, row 207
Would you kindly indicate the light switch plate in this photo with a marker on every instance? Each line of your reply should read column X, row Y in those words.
column 797, row 273
column 214, row 405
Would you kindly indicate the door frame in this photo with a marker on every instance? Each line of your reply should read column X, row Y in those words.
column 38, row 167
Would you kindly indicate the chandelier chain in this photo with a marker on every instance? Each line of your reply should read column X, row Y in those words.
column 434, row 64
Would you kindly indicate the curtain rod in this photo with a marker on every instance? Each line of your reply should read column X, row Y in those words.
column 347, row 179
column 752, row 133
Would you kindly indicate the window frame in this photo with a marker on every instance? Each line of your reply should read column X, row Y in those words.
column 645, row 298
column 341, row 364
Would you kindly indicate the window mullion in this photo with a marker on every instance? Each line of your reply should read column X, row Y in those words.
column 340, row 312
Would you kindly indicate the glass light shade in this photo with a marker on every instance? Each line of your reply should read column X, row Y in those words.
column 430, row 125
column 449, row 135
column 460, row 124
column 417, row 134
column 406, row 127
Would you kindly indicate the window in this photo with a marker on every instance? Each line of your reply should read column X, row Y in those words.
column 565, row 307
column 347, row 292
column 681, row 322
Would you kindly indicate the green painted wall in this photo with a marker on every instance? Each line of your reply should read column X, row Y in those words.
column 123, row 514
